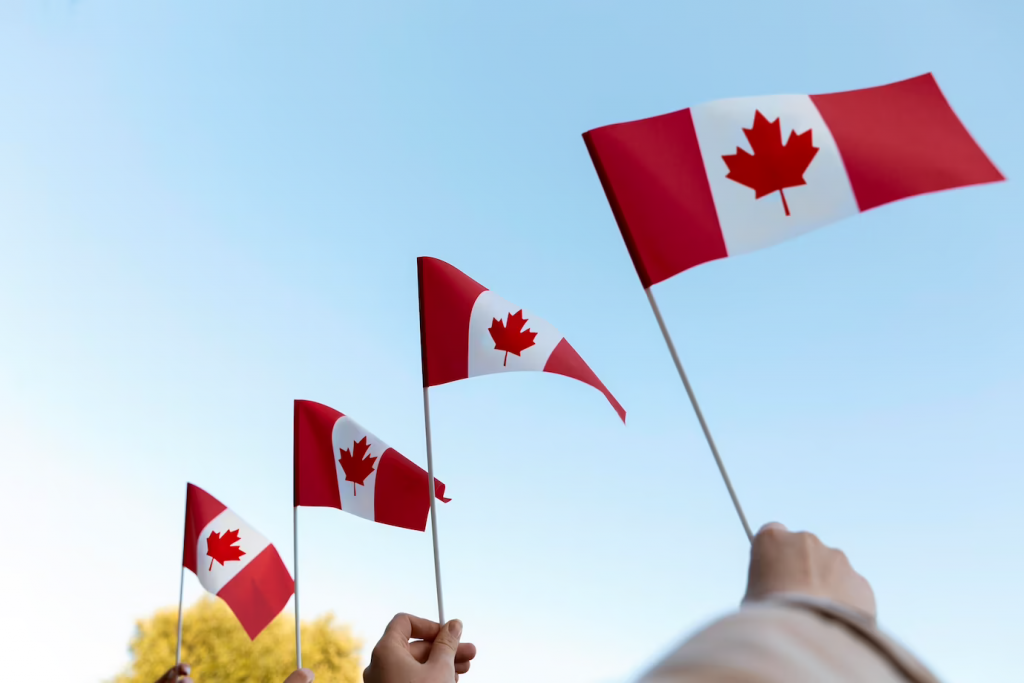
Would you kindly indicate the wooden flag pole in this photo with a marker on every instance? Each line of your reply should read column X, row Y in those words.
column 433, row 507
column 700, row 415
column 298, row 632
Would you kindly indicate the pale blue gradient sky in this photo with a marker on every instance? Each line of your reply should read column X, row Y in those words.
column 208, row 210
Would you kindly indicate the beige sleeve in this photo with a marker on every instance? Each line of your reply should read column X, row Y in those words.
column 791, row 639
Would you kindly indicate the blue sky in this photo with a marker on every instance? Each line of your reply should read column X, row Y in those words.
column 208, row 210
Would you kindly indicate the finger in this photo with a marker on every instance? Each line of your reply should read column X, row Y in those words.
column 768, row 536
column 174, row 672
column 300, row 676
column 461, row 667
column 772, row 526
column 406, row 626
column 465, row 653
column 420, row 650
column 446, row 644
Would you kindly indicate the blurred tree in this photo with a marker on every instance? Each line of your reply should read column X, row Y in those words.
column 219, row 650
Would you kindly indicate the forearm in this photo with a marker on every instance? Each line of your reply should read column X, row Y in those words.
column 790, row 640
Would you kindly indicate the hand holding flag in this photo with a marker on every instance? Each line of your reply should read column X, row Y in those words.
column 435, row 654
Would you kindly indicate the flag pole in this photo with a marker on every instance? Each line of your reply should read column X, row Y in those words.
column 298, row 632
column 433, row 507
column 181, row 588
column 700, row 415
column 181, row 598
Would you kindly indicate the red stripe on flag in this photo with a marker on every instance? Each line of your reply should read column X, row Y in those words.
column 447, row 296
column 200, row 509
column 315, row 476
column 400, row 494
column 564, row 360
column 653, row 174
column 259, row 592
column 901, row 140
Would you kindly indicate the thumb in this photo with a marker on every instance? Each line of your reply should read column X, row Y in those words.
column 446, row 644
column 300, row 676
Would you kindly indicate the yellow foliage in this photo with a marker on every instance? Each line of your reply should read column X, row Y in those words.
column 219, row 650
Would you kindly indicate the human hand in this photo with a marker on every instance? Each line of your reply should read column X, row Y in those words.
column 300, row 676
column 435, row 657
column 172, row 674
column 786, row 562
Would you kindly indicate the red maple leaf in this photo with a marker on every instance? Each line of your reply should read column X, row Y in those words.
column 221, row 549
column 510, row 337
column 773, row 166
column 355, row 463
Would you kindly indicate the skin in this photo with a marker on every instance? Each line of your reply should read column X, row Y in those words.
column 173, row 675
column 412, row 650
column 415, row 650
column 782, row 561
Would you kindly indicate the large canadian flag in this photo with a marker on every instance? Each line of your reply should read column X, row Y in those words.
column 467, row 330
column 731, row 176
column 234, row 561
column 340, row 464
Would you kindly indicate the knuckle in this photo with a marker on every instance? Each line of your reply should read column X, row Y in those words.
column 808, row 540
column 771, row 539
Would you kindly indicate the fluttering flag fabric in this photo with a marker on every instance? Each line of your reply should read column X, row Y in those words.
column 234, row 561
column 340, row 464
column 731, row 176
column 467, row 330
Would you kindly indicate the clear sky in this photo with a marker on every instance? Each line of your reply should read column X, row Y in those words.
column 208, row 210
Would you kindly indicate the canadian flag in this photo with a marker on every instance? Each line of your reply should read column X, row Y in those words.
column 467, row 330
column 731, row 176
column 340, row 464
column 234, row 561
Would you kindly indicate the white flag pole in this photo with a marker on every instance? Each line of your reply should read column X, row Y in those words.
column 181, row 588
column 298, row 631
column 433, row 507
column 181, row 597
column 700, row 415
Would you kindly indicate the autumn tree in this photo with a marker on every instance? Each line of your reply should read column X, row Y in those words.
column 219, row 650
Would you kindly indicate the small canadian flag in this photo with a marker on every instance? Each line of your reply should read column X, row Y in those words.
column 234, row 561
column 467, row 330
column 340, row 464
